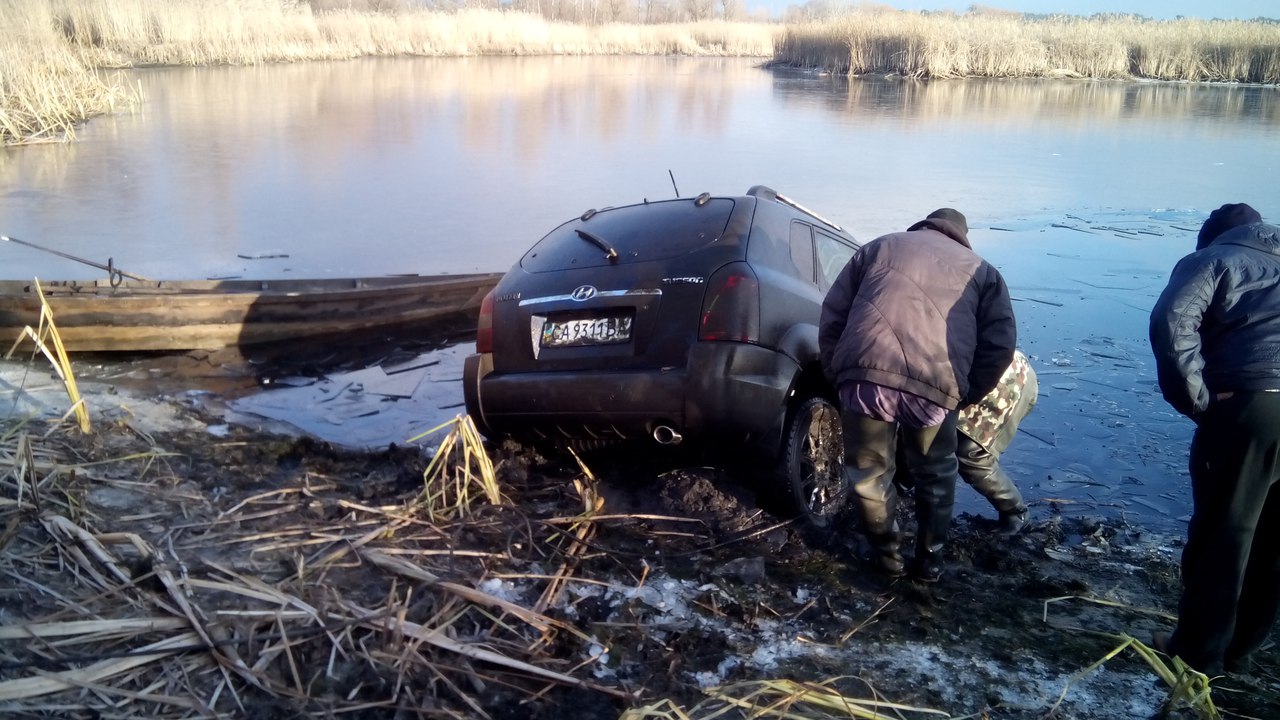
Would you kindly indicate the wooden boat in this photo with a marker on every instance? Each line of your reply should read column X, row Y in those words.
column 133, row 315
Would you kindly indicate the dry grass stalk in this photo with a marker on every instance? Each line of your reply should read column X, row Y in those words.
column 44, row 337
column 533, row 617
column 1106, row 603
column 580, row 532
column 1187, row 687
column 48, row 683
column 869, row 620
column 460, row 473
column 661, row 710
column 90, row 630
column 798, row 700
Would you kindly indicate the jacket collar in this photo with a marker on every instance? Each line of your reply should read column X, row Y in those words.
column 1259, row 236
column 945, row 227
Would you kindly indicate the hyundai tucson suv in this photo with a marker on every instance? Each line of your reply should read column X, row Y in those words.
column 689, row 320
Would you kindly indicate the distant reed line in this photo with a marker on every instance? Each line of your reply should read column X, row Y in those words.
column 1003, row 46
column 58, row 58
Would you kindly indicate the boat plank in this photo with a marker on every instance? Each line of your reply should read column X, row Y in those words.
column 209, row 315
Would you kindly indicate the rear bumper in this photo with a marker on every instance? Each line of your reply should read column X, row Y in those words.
column 731, row 391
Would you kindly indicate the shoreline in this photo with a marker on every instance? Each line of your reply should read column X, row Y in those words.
column 59, row 72
column 675, row 587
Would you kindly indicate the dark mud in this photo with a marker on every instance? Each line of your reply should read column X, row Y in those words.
column 688, row 585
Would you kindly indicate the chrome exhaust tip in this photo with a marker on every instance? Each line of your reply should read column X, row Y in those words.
column 667, row 435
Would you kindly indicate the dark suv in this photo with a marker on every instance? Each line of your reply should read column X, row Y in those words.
column 693, row 319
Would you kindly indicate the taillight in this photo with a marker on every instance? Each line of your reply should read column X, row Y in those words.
column 731, row 307
column 484, row 325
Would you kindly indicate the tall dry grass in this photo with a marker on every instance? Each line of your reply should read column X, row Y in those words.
column 991, row 45
column 203, row 32
column 57, row 56
column 48, row 86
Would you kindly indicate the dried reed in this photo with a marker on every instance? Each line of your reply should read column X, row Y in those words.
column 1187, row 687
column 459, row 474
column 43, row 337
column 1001, row 45
column 48, row 86
column 324, row 617
column 798, row 700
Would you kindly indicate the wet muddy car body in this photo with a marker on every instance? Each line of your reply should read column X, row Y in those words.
column 688, row 320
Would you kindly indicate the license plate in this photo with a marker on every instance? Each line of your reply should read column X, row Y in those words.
column 586, row 331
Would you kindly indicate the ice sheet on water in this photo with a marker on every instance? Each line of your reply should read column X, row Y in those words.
column 370, row 407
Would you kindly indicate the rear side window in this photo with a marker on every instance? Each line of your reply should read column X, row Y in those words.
column 802, row 249
column 638, row 233
column 833, row 255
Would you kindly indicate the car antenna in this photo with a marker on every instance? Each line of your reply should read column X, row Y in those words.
column 673, row 182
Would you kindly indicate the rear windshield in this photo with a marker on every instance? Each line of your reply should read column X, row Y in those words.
column 638, row 233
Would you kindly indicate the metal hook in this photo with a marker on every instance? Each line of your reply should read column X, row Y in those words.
column 114, row 276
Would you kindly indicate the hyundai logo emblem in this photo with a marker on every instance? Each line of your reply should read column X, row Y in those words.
column 581, row 294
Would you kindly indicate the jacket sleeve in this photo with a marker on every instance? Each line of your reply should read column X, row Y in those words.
column 1175, row 334
column 835, row 312
column 997, row 336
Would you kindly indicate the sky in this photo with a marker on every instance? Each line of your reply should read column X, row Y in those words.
column 1159, row 9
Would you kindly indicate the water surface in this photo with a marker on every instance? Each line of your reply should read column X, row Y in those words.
column 449, row 165
column 1084, row 193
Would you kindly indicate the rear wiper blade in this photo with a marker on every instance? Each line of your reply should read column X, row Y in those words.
column 609, row 252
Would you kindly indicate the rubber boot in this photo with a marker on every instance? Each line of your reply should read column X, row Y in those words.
column 982, row 471
column 879, row 508
column 931, row 454
column 869, row 470
column 926, row 566
column 934, row 520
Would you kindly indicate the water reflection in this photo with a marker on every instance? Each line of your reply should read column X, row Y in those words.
column 319, row 159
column 429, row 165
column 997, row 103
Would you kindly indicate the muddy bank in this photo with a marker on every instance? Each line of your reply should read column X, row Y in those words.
column 626, row 582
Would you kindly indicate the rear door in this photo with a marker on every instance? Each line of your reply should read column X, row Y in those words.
column 616, row 289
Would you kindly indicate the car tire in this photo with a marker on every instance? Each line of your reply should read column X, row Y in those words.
column 810, row 473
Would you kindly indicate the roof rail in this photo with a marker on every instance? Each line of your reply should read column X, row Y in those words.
column 803, row 209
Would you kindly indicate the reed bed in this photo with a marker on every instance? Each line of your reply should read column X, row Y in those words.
column 205, row 32
column 48, row 86
column 267, row 603
column 1001, row 45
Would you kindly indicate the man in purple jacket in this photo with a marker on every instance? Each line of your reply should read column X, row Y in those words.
column 916, row 326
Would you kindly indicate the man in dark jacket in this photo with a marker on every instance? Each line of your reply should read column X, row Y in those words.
column 1215, row 332
column 916, row 326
